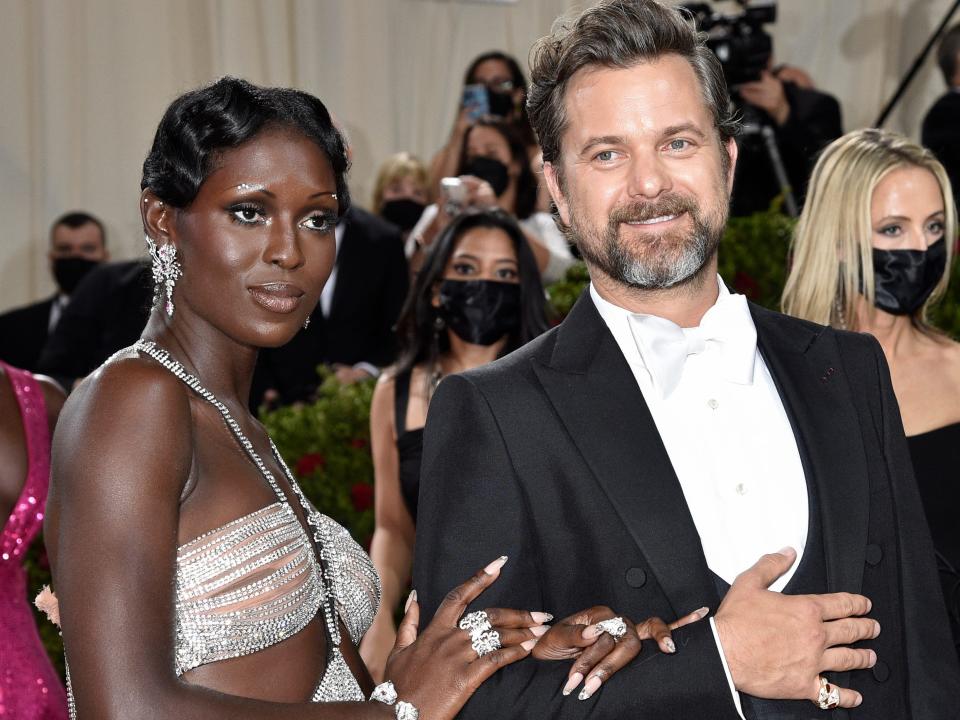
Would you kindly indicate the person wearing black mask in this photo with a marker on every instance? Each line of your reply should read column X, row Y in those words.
column 477, row 297
column 78, row 243
column 494, row 171
column 401, row 191
column 889, row 273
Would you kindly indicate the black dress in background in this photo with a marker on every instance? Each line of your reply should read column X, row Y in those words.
column 409, row 445
column 936, row 463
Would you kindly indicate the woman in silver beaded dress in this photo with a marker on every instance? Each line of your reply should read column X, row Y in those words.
column 194, row 579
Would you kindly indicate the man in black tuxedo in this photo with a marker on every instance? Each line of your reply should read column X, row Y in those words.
column 352, row 327
column 642, row 455
column 941, row 126
column 78, row 243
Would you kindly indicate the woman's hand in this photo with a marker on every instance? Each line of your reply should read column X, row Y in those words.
column 438, row 671
column 479, row 193
column 597, row 655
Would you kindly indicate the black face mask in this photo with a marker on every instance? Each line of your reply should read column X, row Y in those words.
column 500, row 103
column 69, row 271
column 480, row 312
column 403, row 213
column 491, row 170
column 904, row 279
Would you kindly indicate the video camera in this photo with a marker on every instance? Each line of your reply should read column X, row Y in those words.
column 739, row 41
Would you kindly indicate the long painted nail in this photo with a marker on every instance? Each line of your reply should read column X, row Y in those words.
column 411, row 598
column 592, row 631
column 495, row 566
column 528, row 644
column 589, row 688
column 668, row 642
column 539, row 630
column 703, row 612
column 572, row 683
column 541, row 617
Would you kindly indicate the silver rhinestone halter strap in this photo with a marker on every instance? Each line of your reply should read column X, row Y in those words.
column 150, row 348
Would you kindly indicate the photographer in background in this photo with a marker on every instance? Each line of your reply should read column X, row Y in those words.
column 941, row 126
column 804, row 121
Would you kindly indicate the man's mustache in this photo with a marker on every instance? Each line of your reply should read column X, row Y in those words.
column 643, row 211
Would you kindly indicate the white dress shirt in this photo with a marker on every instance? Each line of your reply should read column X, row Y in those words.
column 725, row 430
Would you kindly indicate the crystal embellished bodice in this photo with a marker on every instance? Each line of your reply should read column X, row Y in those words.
column 257, row 580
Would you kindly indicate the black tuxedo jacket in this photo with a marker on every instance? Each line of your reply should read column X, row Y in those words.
column 23, row 333
column 551, row 456
column 941, row 133
column 371, row 285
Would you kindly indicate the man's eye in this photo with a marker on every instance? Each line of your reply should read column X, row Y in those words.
column 604, row 156
column 678, row 145
column 246, row 214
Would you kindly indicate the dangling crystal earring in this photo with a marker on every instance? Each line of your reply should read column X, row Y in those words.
column 306, row 323
column 166, row 271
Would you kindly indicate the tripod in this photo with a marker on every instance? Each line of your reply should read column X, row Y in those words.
column 754, row 124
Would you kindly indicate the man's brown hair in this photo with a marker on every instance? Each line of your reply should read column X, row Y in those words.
column 618, row 34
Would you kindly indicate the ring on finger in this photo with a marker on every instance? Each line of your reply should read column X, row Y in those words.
column 828, row 696
column 476, row 623
column 614, row 627
column 485, row 643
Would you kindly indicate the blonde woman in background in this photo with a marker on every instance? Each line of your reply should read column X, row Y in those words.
column 402, row 191
column 871, row 254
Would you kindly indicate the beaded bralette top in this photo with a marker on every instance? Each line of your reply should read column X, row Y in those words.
column 257, row 580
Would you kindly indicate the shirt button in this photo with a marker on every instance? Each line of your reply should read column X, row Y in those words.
column 741, row 489
column 712, row 404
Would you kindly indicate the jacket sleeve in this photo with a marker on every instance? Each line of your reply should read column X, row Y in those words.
column 933, row 674
column 473, row 508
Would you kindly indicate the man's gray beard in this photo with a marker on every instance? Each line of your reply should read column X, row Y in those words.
column 657, row 271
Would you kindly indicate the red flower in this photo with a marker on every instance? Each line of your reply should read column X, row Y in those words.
column 358, row 443
column 747, row 285
column 362, row 496
column 310, row 462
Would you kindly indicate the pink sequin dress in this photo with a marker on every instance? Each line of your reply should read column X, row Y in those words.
column 29, row 687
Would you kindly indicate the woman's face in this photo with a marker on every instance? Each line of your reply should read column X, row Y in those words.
column 906, row 211
column 257, row 243
column 495, row 74
column 486, row 142
column 406, row 188
column 483, row 254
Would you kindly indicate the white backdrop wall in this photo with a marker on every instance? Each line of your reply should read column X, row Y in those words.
column 85, row 82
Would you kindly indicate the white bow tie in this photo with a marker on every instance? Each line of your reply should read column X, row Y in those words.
column 664, row 345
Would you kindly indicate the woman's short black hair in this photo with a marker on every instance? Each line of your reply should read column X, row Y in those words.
column 526, row 180
column 202, row 123
column 420, row 340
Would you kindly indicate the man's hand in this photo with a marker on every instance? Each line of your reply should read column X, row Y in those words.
column 767, row 94
column 348, row 375
column 777, row 645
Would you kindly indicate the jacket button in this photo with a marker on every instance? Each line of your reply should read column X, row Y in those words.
column 873, row 554
column 881, row 671
column 636, row 577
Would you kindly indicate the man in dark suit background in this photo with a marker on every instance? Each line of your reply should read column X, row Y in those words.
column 646, row 452
column 351, row 329
column 78, row 243
column 941, row 125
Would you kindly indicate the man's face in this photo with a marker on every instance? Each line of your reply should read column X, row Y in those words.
column 84, row 242
column 644, row 189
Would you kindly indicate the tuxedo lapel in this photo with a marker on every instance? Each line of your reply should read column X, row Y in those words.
column 588, row 381
column 346, row 264
column 807, row 371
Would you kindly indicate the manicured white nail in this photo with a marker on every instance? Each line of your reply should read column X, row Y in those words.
column 572, row 683
column 411, row 598
column 703, row 612
column 528, row 644
column 495, row 566
column 787, row 551
column 668, row 642
column 541, row 617
column 539, row 630
column 589, row 688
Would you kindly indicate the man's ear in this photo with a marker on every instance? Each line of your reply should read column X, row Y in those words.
column 156, row 216
column 730, row 147
column 551, row 175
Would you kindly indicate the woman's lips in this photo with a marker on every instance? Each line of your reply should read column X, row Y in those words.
column 280, row 298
